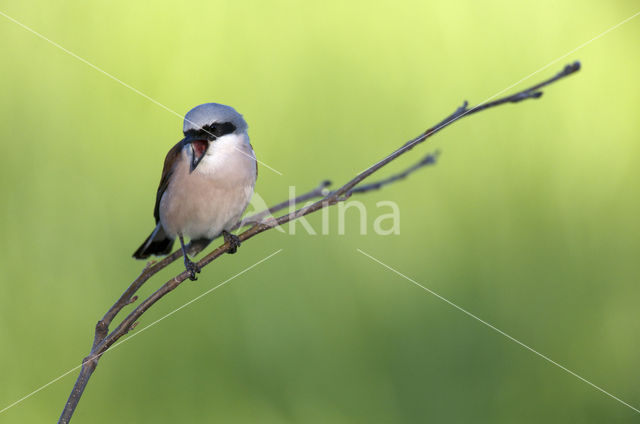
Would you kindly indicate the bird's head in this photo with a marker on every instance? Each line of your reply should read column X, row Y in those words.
column 207, row 124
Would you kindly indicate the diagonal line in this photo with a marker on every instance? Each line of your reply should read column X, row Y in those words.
column 586, row 43
column 546, row 358
column 553, row 62
column 118, row 80
column 142, row 329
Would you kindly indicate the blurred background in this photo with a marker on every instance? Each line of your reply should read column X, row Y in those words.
column 529, row 220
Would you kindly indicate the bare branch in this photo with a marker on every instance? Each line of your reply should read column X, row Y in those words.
column 264, row 221
column 429, row 159
column 319, row 191
column 323, row 189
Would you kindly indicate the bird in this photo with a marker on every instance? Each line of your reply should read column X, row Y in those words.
column 207, row 182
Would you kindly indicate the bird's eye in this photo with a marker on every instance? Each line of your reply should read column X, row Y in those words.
column 214, row 129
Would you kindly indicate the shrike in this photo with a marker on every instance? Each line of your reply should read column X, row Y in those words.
column 206, row 184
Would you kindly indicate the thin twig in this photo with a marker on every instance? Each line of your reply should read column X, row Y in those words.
column 322, row 190
column 319, row 191
column 262, row 222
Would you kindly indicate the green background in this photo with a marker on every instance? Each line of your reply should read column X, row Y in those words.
column 529, row 220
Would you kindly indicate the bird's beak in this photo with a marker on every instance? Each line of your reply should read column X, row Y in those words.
column 199, row 149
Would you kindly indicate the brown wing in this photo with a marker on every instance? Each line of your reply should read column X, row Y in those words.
column 167, row 170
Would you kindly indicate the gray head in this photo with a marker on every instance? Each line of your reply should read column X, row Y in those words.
column 213, row 119
column 205, row 124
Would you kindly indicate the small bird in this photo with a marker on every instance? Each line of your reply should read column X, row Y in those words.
column 206, row 184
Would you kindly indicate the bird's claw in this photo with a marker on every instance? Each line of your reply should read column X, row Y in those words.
column 233, row 240
column 192, row 268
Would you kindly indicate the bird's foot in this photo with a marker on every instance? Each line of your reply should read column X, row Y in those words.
column 233, row 240
column 192, row 268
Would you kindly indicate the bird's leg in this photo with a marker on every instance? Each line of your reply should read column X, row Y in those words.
column 198, row 245
column 192, row 267
column 232, row 239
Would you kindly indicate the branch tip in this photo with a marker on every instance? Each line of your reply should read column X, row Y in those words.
column 572, row 67
column 430, row 159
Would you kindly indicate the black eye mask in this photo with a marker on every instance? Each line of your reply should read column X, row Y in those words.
column 211, row 131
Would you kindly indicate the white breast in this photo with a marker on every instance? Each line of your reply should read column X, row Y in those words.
column 214, row 196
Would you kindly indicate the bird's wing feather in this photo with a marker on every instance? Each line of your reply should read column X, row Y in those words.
column 167, row 170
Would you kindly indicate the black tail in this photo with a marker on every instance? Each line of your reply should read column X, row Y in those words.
column 158, row 243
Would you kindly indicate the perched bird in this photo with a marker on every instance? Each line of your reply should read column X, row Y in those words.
column 206, row 184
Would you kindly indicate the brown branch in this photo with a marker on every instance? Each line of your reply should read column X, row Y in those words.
column 262, row 222
column 322, row 190
column 319, row 191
